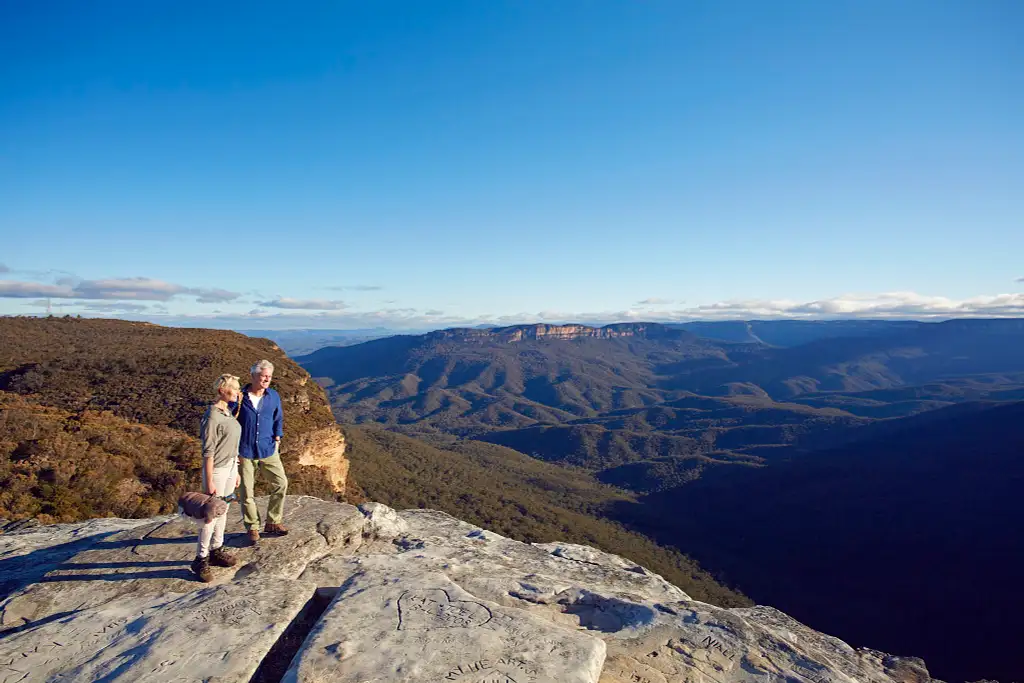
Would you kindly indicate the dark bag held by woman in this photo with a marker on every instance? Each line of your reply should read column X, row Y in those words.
column 200, row 506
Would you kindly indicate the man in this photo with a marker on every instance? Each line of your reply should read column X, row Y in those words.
column 261, row 417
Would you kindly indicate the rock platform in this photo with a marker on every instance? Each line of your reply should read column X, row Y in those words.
column 371, row 595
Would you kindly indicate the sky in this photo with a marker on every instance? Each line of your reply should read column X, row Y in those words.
column 416, row 165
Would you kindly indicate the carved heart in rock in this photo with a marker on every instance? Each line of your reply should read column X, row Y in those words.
column 433, row 608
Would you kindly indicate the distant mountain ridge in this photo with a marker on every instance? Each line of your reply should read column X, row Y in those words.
column 781, row 333
column 540, row 331
column 777, row 333
column 924, row 353
column 794, row 332
column 638, row 378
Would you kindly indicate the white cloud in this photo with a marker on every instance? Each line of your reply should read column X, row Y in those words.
column 355, row 288
column 891, row 305
column 12, row 289
column 214, row 296
column 113, row 289
column 114, row 307
column 403, row 319
column 656, row 301
column 147, row 289
column 284, row 312
column 887, row 305
column 304, row 304
column 143, row 288
column 1020, row 279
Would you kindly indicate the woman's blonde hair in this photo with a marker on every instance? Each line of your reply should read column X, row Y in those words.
column 226, row 380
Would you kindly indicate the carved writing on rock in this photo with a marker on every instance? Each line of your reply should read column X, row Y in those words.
column 18, row 663
column 715, row 645
column 504, row 669
column 233, row 613
column 434, row 608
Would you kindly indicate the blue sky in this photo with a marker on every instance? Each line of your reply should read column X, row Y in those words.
column 413, row 164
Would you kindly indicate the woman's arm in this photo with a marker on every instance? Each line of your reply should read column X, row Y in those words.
column 208, row 434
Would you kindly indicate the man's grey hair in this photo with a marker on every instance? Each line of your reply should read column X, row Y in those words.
column 258, row 368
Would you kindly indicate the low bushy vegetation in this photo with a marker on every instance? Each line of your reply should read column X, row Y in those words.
column 59, row 466
column 101, row 417
column 143, row 372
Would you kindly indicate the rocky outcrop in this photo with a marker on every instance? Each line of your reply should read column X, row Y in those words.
column 371, row 594
column 518, row 333
column 324, row 448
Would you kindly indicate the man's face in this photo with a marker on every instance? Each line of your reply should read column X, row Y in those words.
column 261, row 379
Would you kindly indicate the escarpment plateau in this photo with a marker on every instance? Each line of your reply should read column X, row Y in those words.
column 542, row 331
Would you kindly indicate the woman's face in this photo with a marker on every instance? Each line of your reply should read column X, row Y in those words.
column 228, row 393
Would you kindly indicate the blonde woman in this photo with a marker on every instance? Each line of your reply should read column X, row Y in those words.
column 220, row 434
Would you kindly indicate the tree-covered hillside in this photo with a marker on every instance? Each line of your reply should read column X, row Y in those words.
column 101, row 417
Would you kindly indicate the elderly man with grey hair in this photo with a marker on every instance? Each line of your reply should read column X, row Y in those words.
column 261, row 417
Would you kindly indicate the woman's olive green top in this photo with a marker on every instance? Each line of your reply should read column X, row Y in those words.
column 220, row 433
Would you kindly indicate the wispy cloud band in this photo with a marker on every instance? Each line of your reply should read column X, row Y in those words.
column 118, row 289
column 355, row 288
column 304, row 304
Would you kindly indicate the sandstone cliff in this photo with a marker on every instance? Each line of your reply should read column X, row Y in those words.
column 371, row 594
column 517, row 333
column 324, row 448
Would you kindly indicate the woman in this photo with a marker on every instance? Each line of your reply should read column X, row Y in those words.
column 220, row 434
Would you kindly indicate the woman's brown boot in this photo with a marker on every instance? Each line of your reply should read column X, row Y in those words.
column 221, row 558
column 201, row 568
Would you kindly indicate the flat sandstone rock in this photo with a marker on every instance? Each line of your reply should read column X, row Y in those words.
column 371, row 595
column 219, row 633
column 423, row 627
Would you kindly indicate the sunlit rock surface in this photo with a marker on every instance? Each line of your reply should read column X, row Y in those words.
column 372, row 595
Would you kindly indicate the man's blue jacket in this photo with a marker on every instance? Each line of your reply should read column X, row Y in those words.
column 259, row 428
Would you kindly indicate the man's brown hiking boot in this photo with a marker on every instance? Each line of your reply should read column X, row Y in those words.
column 201, row 568
column 254, row 535
column 276, row 529
column 221, row 558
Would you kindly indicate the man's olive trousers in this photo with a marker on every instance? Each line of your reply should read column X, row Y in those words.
column 273, row 470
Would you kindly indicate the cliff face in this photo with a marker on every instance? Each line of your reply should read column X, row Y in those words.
column 317, row 442
column 371, row 594
column 518, row 333
column 325, row 449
